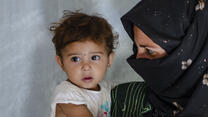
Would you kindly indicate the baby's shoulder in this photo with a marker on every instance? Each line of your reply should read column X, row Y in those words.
column 65, row 88
column 66, row 92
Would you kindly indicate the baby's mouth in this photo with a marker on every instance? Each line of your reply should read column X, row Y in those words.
column 87, row 79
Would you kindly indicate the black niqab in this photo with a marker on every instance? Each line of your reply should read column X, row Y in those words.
column 179, row 81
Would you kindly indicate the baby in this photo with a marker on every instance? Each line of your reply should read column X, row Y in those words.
column 84, row 50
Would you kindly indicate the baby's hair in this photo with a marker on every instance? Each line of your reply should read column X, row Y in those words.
column 77, row 26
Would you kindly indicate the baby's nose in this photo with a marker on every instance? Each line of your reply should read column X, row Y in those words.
column 86, row 66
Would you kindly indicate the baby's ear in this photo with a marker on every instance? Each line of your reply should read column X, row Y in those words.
column 60, row 62
column 110, row 58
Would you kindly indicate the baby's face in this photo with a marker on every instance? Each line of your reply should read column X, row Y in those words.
column 146, row 47
column 85, row 63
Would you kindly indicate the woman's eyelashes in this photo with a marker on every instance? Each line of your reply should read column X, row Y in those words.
column 150, row 51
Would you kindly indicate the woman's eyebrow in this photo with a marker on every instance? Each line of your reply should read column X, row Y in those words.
column 146, row 45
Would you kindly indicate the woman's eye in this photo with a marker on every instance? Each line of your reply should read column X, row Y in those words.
column 96, row 57
column 75, row 59
column 150, row 52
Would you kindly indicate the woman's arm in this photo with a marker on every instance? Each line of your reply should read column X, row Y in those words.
column 72, row 110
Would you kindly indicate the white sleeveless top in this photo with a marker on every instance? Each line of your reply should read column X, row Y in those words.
column 98, row 102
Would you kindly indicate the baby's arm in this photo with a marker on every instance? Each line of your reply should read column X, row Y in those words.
column 72, row 110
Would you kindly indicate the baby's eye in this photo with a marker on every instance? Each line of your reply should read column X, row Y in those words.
column 75, row 59
column 95, row 57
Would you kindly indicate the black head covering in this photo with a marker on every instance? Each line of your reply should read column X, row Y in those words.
column 177, row 82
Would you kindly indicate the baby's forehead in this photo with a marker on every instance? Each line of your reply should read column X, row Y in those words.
column 85, row 46
column 89, row 42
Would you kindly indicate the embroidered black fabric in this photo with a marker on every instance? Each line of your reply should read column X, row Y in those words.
column 178, row 83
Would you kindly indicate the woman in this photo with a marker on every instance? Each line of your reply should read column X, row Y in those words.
column 171, row 54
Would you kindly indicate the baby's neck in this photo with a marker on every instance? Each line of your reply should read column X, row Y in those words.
column 94, row 89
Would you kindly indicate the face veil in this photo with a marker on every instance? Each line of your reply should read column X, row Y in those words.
column 181, row 77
